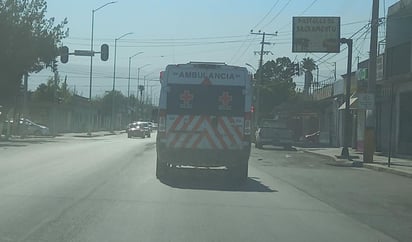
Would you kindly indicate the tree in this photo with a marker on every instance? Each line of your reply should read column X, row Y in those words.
column 308, row 65
column 106, row 102
column 29, row 43
column 65, row 93
column 46, row 92
column 277, row 84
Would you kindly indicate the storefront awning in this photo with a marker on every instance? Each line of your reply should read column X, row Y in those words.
column 352, row 104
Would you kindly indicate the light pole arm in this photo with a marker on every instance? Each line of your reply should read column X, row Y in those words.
column 104, row 5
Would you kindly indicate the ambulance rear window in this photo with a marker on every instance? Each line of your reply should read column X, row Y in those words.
column 205, row 100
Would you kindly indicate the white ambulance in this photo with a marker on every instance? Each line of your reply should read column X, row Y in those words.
column 204, row 118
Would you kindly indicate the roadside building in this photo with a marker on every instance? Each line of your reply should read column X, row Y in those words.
column 394, row 90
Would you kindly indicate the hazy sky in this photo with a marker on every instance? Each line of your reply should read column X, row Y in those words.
column 179, row 31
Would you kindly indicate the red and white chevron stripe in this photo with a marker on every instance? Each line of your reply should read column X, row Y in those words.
column 199, row 132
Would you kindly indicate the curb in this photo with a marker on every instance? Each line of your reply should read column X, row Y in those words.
column 93, row 135
column 332, row 158
column 87, row 136
column 387, row 169
column 375, row 167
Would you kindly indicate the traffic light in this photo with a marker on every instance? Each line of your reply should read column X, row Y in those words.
column 104, row 52
column 64, row 54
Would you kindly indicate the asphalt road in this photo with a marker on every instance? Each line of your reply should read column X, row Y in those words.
column 104, row 189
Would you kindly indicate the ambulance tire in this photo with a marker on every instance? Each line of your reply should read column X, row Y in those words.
column 243, row 171
column 161, row 169
column 240, row 171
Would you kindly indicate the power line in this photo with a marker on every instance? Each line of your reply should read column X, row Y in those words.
column 271, row 9
column 277, row 15
column 162, row 39
column 310, row 5
column 171, row 44
column 289, row 33
column 241, row 46
column 354, row 34
column 359, row 47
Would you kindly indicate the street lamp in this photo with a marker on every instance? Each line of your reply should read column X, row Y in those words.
column 146, row 85
column 128, row 83
column 157, row 81
column 130, row 61
column 91, row 62
column 114, row 74
column 138, row 106
column 151, row 93
column 347, row 117
column 115, row 53
column 253, row 68
column 138, row 79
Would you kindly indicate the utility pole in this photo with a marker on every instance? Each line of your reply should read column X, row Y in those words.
column 260, row 75
column 347, row 117
column 25, row 86
column 55, row 86
column 370, row 124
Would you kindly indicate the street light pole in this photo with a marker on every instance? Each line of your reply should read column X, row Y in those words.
column 347, row 117
column 114, row 76
column 128, row 83
column 146, row 83
column 115, row 55
column 91, row 63
column 138, row 79
column 151, row 93
column 145, row 90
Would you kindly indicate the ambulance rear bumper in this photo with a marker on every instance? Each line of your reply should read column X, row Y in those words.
column 202, row 157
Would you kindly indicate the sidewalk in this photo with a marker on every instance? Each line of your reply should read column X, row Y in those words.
column 398, row 166
column 78, row 135
column 93, row 134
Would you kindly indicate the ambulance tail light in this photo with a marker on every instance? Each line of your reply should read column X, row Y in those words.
column 162, row 121
column 248, row 124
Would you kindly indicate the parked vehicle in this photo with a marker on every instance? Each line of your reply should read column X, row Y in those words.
column 273, row 132
column 25, row 127
column 28, row 127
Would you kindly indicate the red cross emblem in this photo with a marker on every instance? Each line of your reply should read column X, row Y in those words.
column 225, row 100
column 186, row 97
